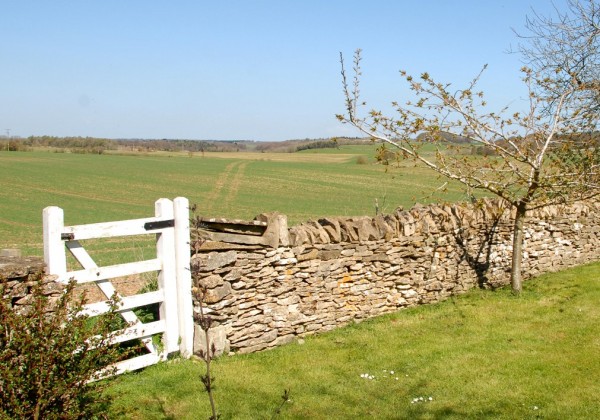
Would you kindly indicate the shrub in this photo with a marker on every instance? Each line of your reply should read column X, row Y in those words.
column 361, row 160
column 49, row 353
column 385, row 156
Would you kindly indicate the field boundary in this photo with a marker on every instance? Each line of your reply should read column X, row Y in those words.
column 333, row 271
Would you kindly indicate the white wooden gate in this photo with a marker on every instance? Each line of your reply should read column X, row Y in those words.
column 171, row 227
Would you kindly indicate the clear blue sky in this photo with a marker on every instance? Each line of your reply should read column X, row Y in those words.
column 259, row 70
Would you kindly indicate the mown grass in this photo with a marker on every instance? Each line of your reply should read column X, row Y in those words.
column 93, row 188
column 481, row 355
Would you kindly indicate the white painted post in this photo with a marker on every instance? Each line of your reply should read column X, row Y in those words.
column 184, row 278
column 167, row 277
column 54, row 247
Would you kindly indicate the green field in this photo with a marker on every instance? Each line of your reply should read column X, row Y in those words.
column 97, row 188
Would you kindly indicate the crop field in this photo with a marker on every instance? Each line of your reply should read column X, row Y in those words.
column 305, row 185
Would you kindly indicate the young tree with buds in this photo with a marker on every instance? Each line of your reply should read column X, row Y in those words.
column 546, row 155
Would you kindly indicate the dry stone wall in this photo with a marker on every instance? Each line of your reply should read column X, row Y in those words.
column 288, row 283
column 19, row 274
column 329, row 272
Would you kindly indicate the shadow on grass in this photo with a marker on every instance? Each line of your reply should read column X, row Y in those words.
column 161, row 408
column 427, row 409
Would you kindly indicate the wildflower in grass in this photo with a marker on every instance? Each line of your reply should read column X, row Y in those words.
column 421, row 399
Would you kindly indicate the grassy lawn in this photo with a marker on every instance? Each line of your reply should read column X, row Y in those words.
column 481, row 355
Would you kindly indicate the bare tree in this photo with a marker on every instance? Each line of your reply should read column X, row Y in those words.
column 545, row 155
column 564, row 50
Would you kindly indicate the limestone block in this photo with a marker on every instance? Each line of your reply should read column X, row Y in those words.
column 320, row 234
column 26, row 300
column 298, row 236
column 288, row 300
column 239, row 285
column 253, row 330
column 217, row 335
column 52, row 288
column 376, row 257
column 281, row 290
column 247, row 304
column 218, row 293
column 212, row 281
column 282, row 229
column 348, row 252
column 284, row 339
column 332, row 228
column 327, row 267
column 328, row 255
column 312, row 268
column 365, row 229
column 213, row 260
column 409, row 294
column 233, row 275
column 12, row 267
column 356, row 267
column 348, row 231
column 331, row 285
column 17, row 289
column 435, row 285
column 258, row 343
column 287, row 261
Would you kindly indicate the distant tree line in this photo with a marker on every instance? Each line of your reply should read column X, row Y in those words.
column 297, row 145
column 323, row 144
column 73, row 144
column 178, row 145
column 97, row 145
column 12, row 145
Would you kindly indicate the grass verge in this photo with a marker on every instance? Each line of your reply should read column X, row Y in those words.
column 481, row 355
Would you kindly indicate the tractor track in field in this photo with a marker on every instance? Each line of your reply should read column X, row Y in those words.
column 235, row 184
column 222, row 181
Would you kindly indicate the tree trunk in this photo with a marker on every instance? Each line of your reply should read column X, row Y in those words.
column 517, row 253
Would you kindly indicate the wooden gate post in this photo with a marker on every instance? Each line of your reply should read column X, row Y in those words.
column 167, row 277
column 55, row 256
column 185, row 308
